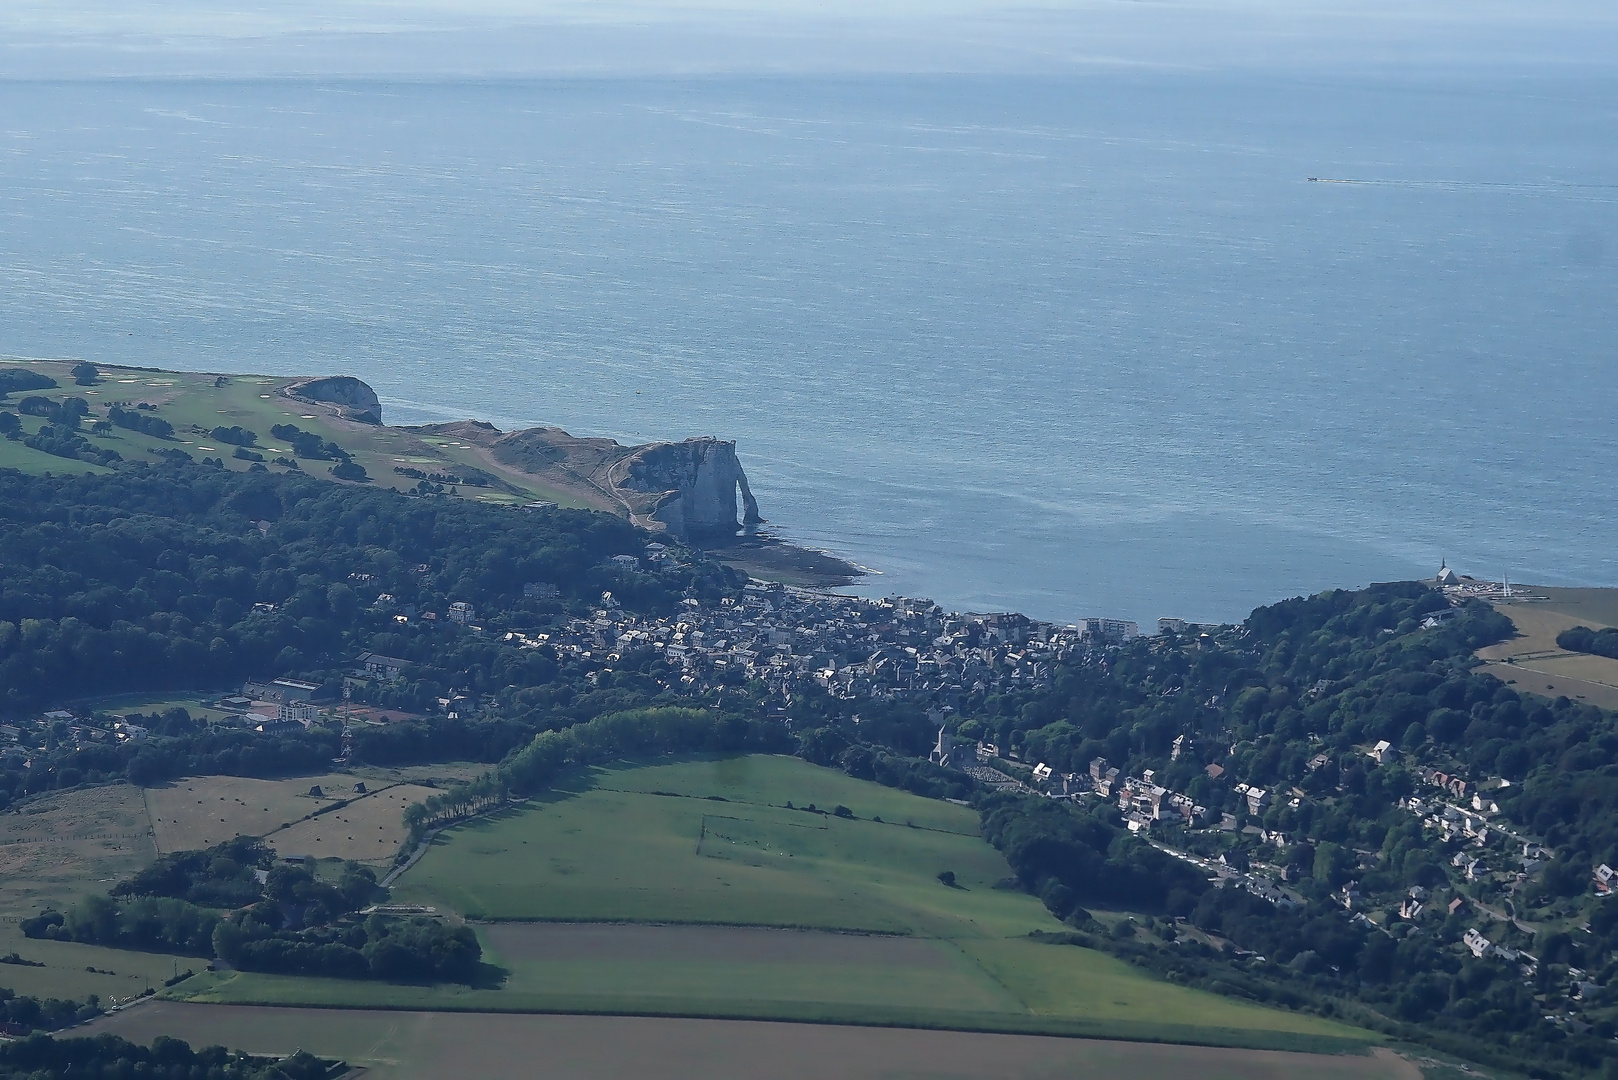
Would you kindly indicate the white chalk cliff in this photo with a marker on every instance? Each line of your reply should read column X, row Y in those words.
column 693, row 485
column 686, row 489
column 349, row 397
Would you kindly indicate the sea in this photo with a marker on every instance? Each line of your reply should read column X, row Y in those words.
column 1113, row 342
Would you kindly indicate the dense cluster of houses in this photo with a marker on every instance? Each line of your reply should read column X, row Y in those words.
column 851, row 647
column 1461, row 812
column 788, row 638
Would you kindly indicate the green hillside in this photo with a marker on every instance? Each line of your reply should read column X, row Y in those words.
column 716, row 842
column 193, row 400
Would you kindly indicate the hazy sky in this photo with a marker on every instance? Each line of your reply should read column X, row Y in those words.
column 53, row 38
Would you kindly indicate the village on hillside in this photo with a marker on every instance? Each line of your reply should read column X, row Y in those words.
column 906, row 649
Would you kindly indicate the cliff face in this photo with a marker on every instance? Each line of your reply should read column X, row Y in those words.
column 353, row 399
column 687, row 489
column 692, row 485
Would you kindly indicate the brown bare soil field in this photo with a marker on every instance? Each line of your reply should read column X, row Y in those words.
column 367, row 829
column 495, row 1046
column 605, row 943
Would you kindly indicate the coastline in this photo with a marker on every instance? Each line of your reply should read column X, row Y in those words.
column 770, row 558
column 467, row 459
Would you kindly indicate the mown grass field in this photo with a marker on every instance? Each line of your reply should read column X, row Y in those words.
column 14, row 455
column 657, row 844
column 1536, row 664
column 368, row 829
column 197, row 703
column 200, row 811
column 712, row 845
column 55, row 848
column 430, row 1046
column 53, row 851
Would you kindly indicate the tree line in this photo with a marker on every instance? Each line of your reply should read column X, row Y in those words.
column 1603, row 642
column 532, row 767
column 21, row 1014
column 43, row 1057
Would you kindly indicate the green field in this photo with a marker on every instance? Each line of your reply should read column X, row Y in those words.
column 491, row 1046
column 14, row 455
column 187, row 399
column 612, row 848
column 198, row 703
column 690, row 865
column 53, row 851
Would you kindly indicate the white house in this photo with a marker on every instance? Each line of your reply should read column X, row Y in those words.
column 1258, row 800
column 299, row 712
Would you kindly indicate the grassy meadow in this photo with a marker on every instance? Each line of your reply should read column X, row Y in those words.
column 714, row 842
column 694, row 889
column 187, row 399
column 198, row 703
column 56, row 849
column 691, row 888
column 53, row 851
column 1534, row 663
column 201, row 811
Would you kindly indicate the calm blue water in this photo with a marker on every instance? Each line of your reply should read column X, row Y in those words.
column 1092, row 345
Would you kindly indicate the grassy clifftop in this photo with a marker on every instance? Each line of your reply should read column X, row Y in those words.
column 195, row 404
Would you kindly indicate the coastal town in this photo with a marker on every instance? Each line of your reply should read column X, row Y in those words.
column 795, row 640
column 897, row 647
column 788, row 638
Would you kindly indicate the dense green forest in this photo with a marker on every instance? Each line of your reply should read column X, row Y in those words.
column 159, row 577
